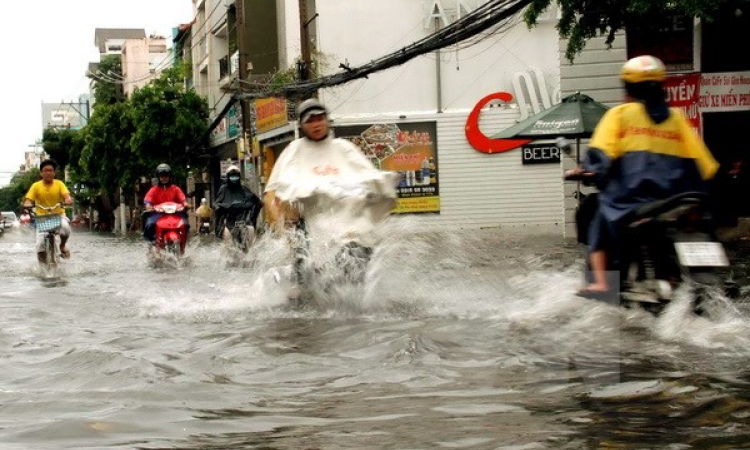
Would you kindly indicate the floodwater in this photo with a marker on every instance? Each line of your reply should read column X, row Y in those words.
column 462, row 340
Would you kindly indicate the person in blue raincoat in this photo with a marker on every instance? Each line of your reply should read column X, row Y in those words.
column 640, row 152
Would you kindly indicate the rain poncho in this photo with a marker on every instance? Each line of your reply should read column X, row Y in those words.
column 233, row 202
column 637, row 161
column 337, row 190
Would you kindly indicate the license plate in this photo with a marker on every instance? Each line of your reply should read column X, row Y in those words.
column 701, row 254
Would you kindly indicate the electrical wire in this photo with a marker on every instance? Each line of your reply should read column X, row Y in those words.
column 480, row 20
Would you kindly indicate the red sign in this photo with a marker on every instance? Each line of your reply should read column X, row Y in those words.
column 478, row 140
column 683, row 91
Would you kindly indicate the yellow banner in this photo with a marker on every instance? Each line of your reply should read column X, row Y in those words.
column 270, row 113
column 417, row 205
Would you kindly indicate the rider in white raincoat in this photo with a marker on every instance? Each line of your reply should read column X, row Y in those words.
column 329, row 184
column 334, row 197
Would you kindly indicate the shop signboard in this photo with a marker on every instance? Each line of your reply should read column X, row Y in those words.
column 224, row 165
column 407, row 148
column 270, row 113
column 725, row 92
column 683, row 93
column 540, row 154
column 233, row 122
column 219, row 133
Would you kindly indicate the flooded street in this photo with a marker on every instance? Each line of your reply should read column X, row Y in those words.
column 458, row 340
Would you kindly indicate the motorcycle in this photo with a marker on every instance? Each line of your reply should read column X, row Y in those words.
column 171, row 230
column 236, row 225
column 664, row 244
column 205, row 226
column 334, row 243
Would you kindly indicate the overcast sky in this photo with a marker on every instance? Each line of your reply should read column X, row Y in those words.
column 47, row 46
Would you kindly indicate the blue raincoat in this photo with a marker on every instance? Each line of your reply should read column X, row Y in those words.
column 637, row 161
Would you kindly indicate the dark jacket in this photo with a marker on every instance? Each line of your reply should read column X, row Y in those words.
column 235, row 202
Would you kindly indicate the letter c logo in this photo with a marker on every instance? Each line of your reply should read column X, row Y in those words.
column 478, row 140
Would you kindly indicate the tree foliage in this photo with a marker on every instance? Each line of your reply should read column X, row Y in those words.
column 167, row 121
column 106, row 90
column 582, row 20
column 12, row 195
column 125, row 140
column 106, row 155
column 65, row 147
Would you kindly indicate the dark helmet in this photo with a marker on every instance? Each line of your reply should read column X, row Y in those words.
column 163, row 169
column 310, row 107
column 48, row 162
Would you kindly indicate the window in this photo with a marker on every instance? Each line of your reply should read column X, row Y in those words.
column 668, row 37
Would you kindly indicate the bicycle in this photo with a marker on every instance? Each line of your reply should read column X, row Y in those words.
column 49, row 224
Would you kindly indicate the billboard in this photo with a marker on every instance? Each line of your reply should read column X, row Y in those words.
column 407, row 148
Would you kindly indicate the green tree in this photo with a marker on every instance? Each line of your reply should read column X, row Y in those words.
column 167, row 121
column 106, row 154
column 12, row 195
column 107, row 88
column 65, row 147
column 582, row 20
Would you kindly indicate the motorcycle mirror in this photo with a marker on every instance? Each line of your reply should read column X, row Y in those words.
column 565, row 145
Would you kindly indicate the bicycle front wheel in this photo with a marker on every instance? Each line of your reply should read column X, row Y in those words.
column 49, row 249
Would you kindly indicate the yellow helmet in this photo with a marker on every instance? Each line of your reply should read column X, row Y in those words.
column 643, row 68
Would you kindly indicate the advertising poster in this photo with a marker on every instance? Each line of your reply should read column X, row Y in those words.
column 409, row 149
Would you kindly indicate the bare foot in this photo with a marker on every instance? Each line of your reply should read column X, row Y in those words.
column 595, row 288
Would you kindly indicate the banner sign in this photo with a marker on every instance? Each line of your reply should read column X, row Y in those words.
column 407, row 148
column 724, row 92
column 683, row 92
column 270, row 113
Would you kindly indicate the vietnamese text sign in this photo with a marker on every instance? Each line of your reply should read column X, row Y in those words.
column 683, row 92
column 724, row 92
column 270, row 113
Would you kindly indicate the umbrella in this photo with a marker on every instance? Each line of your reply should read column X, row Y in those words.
column 574, row 117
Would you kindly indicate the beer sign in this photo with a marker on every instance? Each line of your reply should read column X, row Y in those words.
column 540, row 154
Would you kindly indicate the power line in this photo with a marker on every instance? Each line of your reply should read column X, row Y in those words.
column 492, row 13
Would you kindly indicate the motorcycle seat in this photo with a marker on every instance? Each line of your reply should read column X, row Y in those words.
column 653, row 209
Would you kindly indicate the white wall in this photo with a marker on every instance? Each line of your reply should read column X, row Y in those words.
column 360, row 31
column 479, row 190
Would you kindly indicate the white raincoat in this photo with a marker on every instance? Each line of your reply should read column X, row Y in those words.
column 338, row 191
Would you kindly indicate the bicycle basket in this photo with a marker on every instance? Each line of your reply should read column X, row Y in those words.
column 48, row 222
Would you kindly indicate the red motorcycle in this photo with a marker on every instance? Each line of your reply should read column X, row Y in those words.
column 171, row 229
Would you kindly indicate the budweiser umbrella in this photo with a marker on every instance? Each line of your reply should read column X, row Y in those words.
column 574, row 117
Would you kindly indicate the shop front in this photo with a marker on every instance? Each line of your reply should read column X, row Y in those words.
column 274, row 130
column 225, row 144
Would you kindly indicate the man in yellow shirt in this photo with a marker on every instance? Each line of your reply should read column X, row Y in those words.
column 641, row 151
column 50, row 192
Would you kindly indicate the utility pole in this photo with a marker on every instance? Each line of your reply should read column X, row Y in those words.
column 243, row 73
column 304, row 66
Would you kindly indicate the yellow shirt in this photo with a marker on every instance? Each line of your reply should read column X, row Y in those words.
column 204, row 212
column 48, row 195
